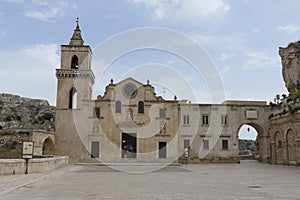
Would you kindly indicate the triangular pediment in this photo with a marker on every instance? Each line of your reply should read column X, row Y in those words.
column 130, row 80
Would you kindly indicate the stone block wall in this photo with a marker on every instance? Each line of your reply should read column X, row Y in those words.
column 36, row 165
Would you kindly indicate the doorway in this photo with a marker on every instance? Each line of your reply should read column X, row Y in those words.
column 129, row 145
column 162, row 146
column 95, row 150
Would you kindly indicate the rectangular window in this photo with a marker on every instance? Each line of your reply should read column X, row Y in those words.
column 186, row 144
column 223, row 120
column 97, row 112
column 205, row 144
column 205, row 119
column 186, row 119
column 224, row 144
column 162, row 113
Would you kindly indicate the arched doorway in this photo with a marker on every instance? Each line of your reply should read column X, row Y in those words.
column 48, row 146
column 291, row 146
column 248, row 143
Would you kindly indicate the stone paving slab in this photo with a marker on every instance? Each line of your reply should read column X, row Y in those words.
column 247, row 180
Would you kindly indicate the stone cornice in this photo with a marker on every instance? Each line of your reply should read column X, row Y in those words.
column 73, row 73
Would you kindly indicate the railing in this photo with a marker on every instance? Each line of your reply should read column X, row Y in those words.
column 73, row 73
column 284, row 108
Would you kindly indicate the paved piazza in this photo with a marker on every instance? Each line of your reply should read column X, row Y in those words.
column 248, row 180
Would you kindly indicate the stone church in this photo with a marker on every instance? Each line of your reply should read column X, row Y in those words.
column 130, row 123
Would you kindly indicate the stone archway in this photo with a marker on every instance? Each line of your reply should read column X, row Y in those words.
column 261, row 151
column 291, row 147
column 48, row 147
column 247, row 136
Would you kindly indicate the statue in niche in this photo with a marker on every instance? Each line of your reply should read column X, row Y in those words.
column 130, row 114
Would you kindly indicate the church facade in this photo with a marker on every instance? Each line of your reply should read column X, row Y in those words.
column 130, row 123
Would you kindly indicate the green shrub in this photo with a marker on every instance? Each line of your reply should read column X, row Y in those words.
column 46, row 116
column 13, row 145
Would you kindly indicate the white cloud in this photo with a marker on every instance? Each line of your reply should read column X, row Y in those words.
column 12, row 1
column 113, row 16
column 2, row 34
column 187, row 9
column 40, row 2
column 288, row 28
column 256, row 30
column 226, row 56
column 44, row 52
column 45, row 11
column 224, row 72
column 30, row 71
column 233, row 42
column 258, row 60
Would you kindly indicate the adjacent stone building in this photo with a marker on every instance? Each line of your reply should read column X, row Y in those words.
column 130, row 123
column 285, row 116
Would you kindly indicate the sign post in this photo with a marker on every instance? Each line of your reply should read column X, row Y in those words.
column 27, row 152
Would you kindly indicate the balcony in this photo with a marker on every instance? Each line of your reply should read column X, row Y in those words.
column 73, row 73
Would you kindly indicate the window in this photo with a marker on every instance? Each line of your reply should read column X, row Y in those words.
column 186, row 144
column 118, row 107
column 224, row 144
column 223, row 120
column 279, row 145
column 205, row 144
column 205, row 119
column 186, row 119
column 141, row 107
column 74, row 62
column 97, row 112
column 162, row 113
column 73, row 98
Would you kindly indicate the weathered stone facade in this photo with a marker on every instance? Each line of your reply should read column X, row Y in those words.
column 225, row 121
column 285, row 116
column 130, row 123
column 285, row 139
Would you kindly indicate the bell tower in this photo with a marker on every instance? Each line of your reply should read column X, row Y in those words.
column 75, row 80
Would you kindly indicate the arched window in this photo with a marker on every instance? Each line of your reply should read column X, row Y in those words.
column 73, row 98
column 118, row 107
column 74, row 62
column 141, row 107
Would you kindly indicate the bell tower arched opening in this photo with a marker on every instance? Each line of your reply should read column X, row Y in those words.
column 74, row 62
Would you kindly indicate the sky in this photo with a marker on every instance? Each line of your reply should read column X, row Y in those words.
column 241, row 37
